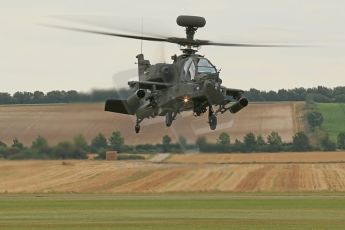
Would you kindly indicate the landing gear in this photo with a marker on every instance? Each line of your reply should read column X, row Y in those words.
column 212, row 118
column 137, row 128
column 137, row 125
column 169, row 117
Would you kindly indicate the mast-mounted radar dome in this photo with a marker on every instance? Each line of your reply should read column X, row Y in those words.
column 190, row 21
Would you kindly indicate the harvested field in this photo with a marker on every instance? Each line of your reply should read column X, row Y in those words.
column 148, row 177
column 308, row 157
column 64, row 121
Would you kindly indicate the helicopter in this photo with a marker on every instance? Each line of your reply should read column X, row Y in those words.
column 190, row 83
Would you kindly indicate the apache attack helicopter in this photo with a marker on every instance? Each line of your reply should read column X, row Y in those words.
column 191, row 82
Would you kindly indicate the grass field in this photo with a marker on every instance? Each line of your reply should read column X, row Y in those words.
column 188, row 211
column 334, row 118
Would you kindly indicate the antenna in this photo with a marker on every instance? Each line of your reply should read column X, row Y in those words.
column 142, row 34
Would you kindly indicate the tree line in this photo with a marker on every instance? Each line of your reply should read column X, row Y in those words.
column 272, row 143
column 317, row 94
column 78, row 148
column 60, row 96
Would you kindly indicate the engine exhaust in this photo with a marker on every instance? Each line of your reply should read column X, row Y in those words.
column 140, row 93
column 135, row 101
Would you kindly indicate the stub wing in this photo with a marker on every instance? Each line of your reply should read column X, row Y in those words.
column 118, row 106
column 235, row 93
column 149, row 84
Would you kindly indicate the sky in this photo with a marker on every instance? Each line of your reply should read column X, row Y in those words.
column 34, row 57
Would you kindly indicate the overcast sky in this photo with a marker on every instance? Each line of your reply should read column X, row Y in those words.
column 33, row 57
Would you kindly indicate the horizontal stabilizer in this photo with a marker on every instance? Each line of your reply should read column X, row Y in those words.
column 118, row 106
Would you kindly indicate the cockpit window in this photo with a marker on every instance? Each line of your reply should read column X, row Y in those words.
column 189, row 70
column 204, row 66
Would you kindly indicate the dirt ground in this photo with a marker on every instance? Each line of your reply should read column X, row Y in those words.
column 147, row 177
column 309, row 157
column 64, row 121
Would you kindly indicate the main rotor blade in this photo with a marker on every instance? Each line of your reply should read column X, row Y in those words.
column 148, row 26
column 203, row 43
column 180, row 41
column 196, row 43
column 146, row 38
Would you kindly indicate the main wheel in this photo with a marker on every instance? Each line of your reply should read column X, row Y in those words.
column 168, row 119
column 212, row 120
column 137, row 128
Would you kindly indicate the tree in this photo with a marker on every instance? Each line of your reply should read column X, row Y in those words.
column 341, row 140
column 39, row 148
column 99, row 142
column 250, row 142
column 300, row 142
column 201, row 143
column 182, row 142
column 80, row 142
column 275, row 142
column 5, row 98
column 238, row 146
column 17, row 144
column 66, row 150
column 315, row 119
column 2, row 144
column 116, row 141
column 72, row 96
column 22, row 97
column 39, row 143
column 3, row 151
column 17, row 149
column 166, row 141
column 283, row 95
column 339, row 98
column 56, row 96
column 260, row 140
column 223, row 139
column 38, row 97
column 327, row 144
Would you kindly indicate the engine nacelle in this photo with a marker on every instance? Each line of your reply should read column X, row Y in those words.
column 240, row 104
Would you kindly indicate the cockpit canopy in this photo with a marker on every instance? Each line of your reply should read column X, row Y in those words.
column 195, row 66
column 205, row 66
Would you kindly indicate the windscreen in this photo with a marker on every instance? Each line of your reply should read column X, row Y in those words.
column 204, row 66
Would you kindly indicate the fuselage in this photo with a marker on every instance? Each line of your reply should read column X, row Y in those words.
column 194, row 82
